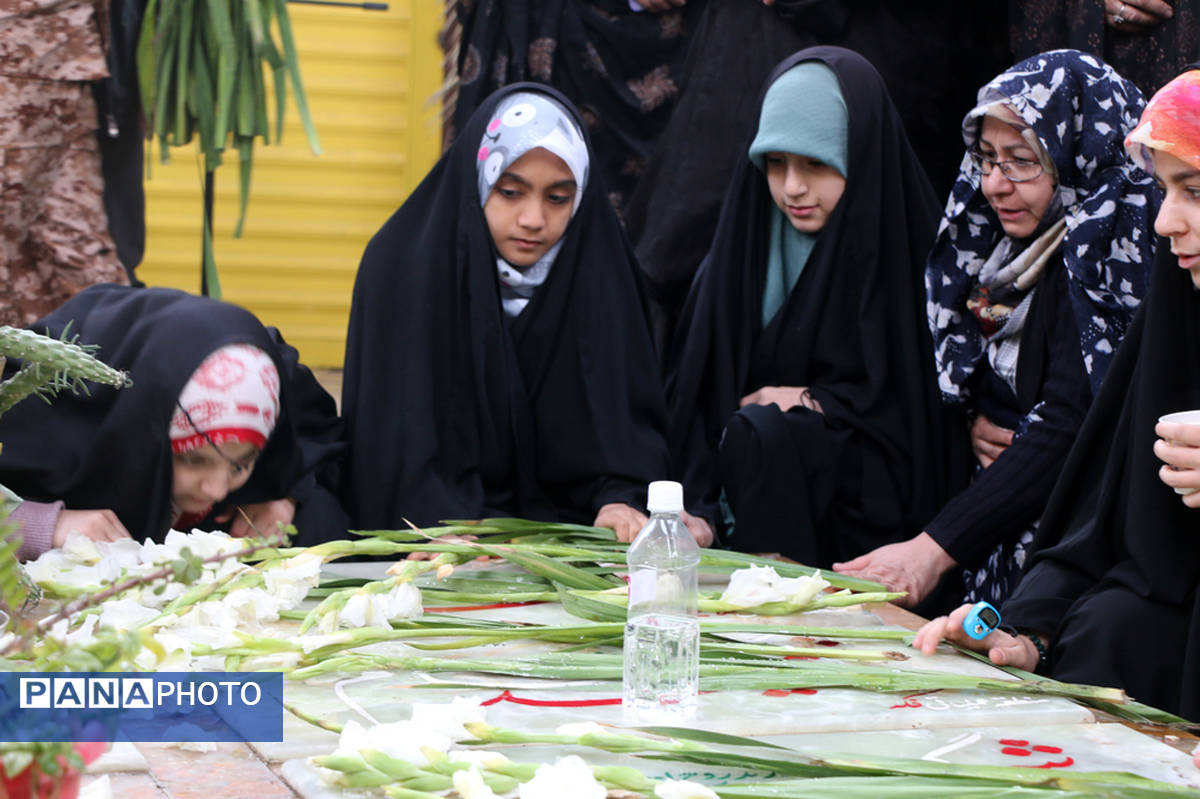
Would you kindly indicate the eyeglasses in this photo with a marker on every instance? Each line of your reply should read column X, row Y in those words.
column 1018, row 170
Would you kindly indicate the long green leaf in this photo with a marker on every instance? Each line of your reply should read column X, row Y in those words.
column 146, row 58
column 227, row 56
column 293, row 67
column 553, row 570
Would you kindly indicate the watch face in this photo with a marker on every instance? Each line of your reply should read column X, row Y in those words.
column 989, row 617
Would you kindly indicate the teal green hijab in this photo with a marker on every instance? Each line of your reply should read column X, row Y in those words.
column 804, row 113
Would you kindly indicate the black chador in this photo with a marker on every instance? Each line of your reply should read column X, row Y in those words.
column 869, row 468
column 547, row 406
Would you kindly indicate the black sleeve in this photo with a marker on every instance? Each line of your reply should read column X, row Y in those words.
column 321, row 445
column 1008, row 496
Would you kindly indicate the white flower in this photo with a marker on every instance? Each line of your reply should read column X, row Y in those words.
column 357, row 612
column 449, row 719
column 201, row 543
column 291, row 579
column 125, row 614
column 578, row 729
column 54, row 565
column 254, row 605
column 570, row 776
column 758, row 585
column 478, row 757
column 124, row 552
column 82, row 636
column 81, row 549
column 405, row 602
column 469, row 784
column 178, row 651
column 402, row 740
column 377, row 610
column 682, row 789
column 801, row 590
column 755, row 585
column 171, row 591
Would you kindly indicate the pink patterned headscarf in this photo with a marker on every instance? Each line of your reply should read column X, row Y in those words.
column 1171, row 123
column 232, row 397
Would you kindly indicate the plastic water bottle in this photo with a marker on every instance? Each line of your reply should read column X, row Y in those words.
column 662, row 633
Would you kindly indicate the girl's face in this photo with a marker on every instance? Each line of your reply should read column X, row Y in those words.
column 1179, row 217
column 804, row 189
column 1020, row 206
column 529, row 206
column 203, row 476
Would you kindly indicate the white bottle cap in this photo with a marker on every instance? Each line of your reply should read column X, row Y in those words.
column 665, row 496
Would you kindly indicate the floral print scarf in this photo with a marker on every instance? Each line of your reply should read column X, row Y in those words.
column 1081, row 111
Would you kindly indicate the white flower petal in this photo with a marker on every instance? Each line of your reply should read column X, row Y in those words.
column 469, row 784
column 402, row 740
column 125, row 614
column 448, row 719
column 682, row 789
column 579, row 728
column 570, row 776
column 80, row 548
column 478, row 757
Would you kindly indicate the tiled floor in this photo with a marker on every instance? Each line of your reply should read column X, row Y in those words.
column 232, row 771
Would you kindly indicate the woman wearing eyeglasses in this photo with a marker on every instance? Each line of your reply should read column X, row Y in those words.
column 221, row 427
column 1042, row 257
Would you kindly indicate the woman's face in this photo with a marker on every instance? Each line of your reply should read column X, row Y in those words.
column 804, row 189
column 529, row 206
column 203, row 476
column 1020, row 206
column 1179, row 217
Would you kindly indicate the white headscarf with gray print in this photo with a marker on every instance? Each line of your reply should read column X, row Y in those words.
column 523, row 121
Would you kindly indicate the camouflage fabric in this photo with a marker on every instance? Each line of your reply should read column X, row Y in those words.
column 54, row 237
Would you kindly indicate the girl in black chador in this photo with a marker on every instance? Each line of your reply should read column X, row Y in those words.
column 802, row 390
column 220, row 416
column 498, row 361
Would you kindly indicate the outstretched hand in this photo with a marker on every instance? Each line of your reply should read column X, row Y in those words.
column 1001, row 648
column 622, row 518
column 628, row 522
column 98, row 525
column 262, row 518
column 699, row 527
column 914, row 566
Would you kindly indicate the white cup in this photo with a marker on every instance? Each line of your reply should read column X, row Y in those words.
column 1182, row 417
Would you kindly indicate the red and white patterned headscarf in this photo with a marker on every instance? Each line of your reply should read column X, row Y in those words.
column 232, row 397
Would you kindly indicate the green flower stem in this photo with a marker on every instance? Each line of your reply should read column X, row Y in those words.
column 437, row 596
column 609, row 742
column 205, row 591
column 715, row 674
column 324, row 724
column 396, row 792
column 800, row 651
column 712, row 603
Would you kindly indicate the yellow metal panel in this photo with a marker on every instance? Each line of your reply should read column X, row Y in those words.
column 369, row 76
